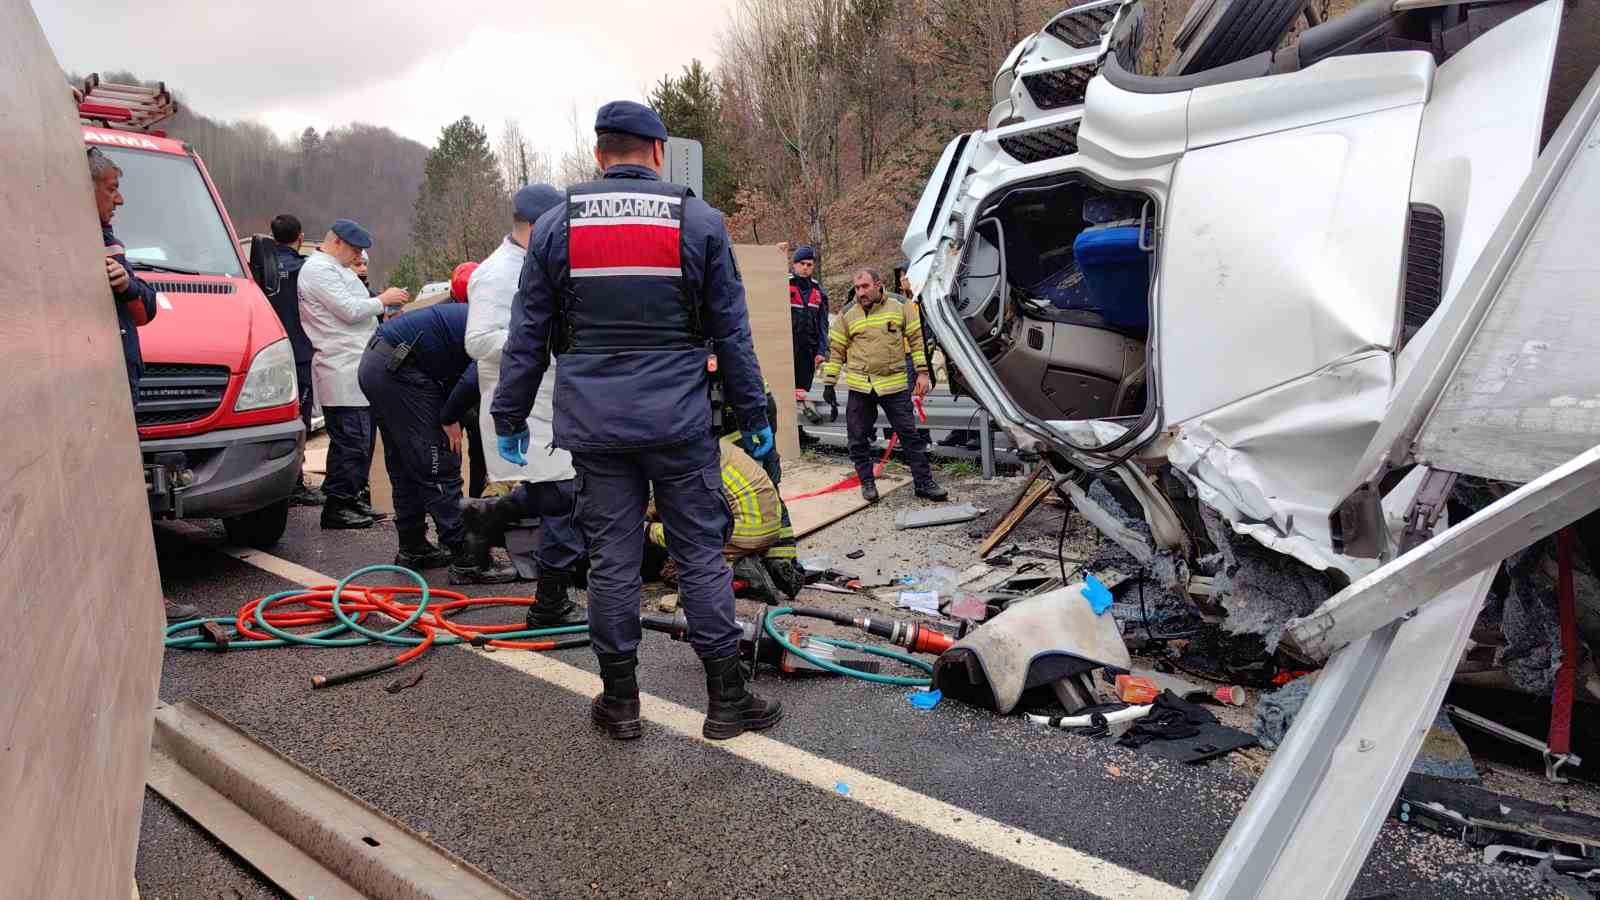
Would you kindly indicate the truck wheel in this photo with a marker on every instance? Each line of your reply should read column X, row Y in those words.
column 1226, row 31
column 260, row 529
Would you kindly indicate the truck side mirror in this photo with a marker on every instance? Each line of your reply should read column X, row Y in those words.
column 264, row 263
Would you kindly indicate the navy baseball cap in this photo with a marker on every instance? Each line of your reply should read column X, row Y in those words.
column 534, row 200
column 804, row 252
column 351, row 233
column 632, row 118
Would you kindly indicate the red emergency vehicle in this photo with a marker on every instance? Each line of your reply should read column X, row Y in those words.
column 218, row 409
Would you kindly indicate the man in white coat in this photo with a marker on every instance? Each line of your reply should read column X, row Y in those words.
column 546, row 488
column 339, row 316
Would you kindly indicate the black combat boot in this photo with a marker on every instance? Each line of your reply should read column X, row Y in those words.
column 787, row 575
column 553, row 606
column 616, row 708
column 484, row 521
column 305, row 496
column 340, row 514
column 930, row 490
column 417, row 552
column 468, row 567
column 869, row 490
column 363, row 505
column 758, row 585
column 731, row 710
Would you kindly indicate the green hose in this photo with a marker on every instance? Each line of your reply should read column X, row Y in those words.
column 829, row 665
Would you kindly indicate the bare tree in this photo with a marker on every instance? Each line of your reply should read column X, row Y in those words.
column 520, row 162
column 577, row 160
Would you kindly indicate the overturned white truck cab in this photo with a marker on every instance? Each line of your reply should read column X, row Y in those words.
column 1206, row 289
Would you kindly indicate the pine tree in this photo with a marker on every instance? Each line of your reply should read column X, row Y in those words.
column 463, row 208
column 691, row 106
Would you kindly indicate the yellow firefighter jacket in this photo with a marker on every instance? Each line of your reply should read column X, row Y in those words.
column 869, row 346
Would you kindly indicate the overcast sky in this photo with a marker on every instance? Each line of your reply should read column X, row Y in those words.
column 411, row 65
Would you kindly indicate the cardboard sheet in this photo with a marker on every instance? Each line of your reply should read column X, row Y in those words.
column 766, row 290
column 76, row 555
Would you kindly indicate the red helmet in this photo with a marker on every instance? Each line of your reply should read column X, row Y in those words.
column 458, row 281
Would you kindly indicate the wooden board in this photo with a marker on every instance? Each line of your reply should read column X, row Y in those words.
column 813, row 513
column 1033, row 491
column 766, row 291
column 78, row 575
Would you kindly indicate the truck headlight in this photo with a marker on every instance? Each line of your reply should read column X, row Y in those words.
column 270, row 381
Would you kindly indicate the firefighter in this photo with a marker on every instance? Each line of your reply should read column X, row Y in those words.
column 868, row 343
column 633, row 281
column 413, row 364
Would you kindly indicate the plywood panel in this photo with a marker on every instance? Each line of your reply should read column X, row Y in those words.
column 76, row 554
column 766, row 290
column 813, row 513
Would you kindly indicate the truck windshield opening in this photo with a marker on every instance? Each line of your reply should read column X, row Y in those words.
column 169, row 221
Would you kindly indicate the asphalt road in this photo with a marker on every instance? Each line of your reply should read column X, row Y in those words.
column 501, row 767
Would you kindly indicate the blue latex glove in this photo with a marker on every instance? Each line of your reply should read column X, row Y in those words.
column 759, row 443
column 512, row 447
column 1098, row 595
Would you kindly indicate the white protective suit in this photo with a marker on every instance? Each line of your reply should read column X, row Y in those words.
column 490, row 292
column 339, row 317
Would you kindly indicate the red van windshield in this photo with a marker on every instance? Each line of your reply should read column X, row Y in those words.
column 169, row 221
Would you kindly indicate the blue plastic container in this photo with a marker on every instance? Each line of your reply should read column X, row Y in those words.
column 1117, row 273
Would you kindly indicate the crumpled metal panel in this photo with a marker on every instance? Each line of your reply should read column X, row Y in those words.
column 1272, row 464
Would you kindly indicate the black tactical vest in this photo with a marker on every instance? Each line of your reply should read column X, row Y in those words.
column 625, row 288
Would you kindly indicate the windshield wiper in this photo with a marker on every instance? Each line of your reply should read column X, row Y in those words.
column 159, row 267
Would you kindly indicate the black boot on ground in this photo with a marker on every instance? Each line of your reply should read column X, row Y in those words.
column 807, row 439
column 304, row 496
column 342, row 515
column 930, row 490
column 468, row 567
column 179, row 612
column 731, row 710
column 421, row 553
column 553, row 606
column 869, row 491
column 616, row 707
column 363, row 505
column 758, row 585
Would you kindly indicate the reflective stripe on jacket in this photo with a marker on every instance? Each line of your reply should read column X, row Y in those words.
column 869, row 346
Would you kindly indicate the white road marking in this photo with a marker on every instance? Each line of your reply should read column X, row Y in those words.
column 1005, row 842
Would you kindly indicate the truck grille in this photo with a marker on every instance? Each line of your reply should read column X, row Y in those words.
column 174, row 393
column 192, row 287
column 1081, row 29
column 1059, row 87
column 1043, row 143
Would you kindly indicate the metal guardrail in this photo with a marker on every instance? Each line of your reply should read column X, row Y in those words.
column 945, row 414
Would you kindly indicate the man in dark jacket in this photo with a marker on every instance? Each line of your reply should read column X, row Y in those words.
column 408, row 372
column 134, row 299
column 633, row 284
column 289, row 236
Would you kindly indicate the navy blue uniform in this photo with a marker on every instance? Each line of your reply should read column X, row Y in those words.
column 286, row 303
column 808, row 324
column 408, row 404
column 634, row 281
column 137, row 291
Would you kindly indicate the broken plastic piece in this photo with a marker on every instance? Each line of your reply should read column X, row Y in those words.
column 939, row 515
column 925, row 699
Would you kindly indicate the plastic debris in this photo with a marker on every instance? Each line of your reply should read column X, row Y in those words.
column 842, row 788
column 939, row 515
column 855, row 554
column 1098, row 595
column 920, row 601
column 925, row 699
